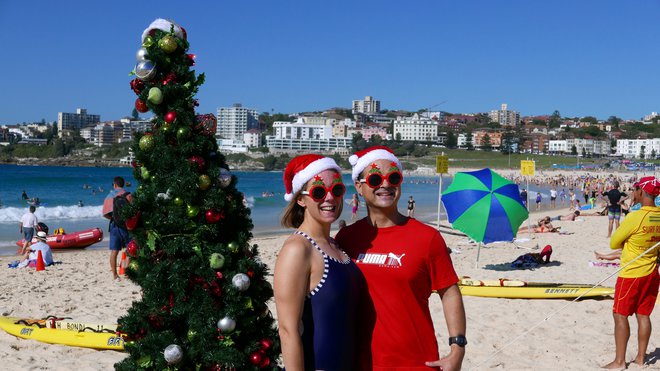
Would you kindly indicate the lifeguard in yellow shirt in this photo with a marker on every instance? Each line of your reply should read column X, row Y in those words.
column 637, row 285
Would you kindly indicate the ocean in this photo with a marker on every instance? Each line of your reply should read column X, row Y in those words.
column 60, row 189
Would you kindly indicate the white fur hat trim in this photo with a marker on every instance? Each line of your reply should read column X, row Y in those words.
column 163, row 25
column 360, row 163
column 304, row 175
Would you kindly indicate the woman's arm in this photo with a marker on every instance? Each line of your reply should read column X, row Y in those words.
column 291, row 285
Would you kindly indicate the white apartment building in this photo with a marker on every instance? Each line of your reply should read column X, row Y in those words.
column 301, row 136
column 252, row 138
column 234, row 121
column 415, row 128
column 367, row 106
column 461, row 140
column 505, row 117
column 632, row 148
column 102, row 135
column 650, row 117
column 68, row 122
column 590, row 146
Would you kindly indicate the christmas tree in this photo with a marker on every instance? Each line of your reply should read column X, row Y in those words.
column 204, row 290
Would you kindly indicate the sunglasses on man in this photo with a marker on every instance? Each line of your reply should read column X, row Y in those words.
column 375, row 180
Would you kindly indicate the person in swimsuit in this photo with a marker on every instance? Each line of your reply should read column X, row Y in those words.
column 316, row 285
column 411, row 207
column 355, row 203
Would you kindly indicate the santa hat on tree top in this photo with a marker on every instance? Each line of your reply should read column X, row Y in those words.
column 165, row 26
column 361, row 159
column 303, row 168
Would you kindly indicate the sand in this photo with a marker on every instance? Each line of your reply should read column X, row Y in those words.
column 578, row 336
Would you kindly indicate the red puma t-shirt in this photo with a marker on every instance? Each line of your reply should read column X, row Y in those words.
column 402, row 266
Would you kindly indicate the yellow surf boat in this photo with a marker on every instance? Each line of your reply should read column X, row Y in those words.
column 88, row 336
column 511, row 289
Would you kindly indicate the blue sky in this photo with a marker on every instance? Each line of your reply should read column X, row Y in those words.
column 589, row 57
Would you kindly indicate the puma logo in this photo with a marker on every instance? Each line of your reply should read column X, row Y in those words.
column 393, row 256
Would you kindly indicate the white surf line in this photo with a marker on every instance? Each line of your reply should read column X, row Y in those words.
column 560, row 309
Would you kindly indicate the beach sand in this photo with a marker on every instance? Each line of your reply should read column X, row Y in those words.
column 577, row 336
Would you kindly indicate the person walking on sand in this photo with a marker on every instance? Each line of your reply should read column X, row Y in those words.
column 355, row 204
column 403, row 261
column 316, row 285
column 118, row 232
column 636, row 287
column 553, row 197
column 614, row 200
column 27, row 226
column 411, row 207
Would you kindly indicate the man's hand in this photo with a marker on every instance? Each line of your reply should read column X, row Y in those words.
column 450, row 362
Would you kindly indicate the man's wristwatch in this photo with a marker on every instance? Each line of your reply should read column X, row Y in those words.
column 459, row 340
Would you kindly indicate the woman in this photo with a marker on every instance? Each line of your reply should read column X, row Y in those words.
column 316, row 284
column 355, row 203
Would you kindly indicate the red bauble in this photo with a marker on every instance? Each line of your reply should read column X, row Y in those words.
column 266, row 344
column 137, row 85
column 255, row 358
column 265, row 362
column 141, row 106
column 133, row 221
column 170, row 78
column 170, row 117
column 219, row 275
column 198, row 163
column 132, row 248
column 213, row 216
column 191, row 59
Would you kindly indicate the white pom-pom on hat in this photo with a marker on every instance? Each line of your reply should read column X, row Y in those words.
column 303, row 168
column 165, row 26
column 361, row 159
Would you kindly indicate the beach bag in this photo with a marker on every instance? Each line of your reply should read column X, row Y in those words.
column 118, row 204
column 42, row 227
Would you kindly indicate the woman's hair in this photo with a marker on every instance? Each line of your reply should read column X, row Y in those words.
column 294, row 214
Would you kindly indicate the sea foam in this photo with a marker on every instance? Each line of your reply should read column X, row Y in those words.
column 13, row 214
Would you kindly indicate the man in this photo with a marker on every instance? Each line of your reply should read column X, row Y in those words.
column 32, row 252
column 411, row 207
column 403, row 262
column 553, row 197
column 523, row 197
column 637, row 285
column 118, row 233
column 614, row 200
column 27, row 225
column 568, row 217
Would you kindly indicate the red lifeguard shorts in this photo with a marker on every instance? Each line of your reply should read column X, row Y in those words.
column 636, row 295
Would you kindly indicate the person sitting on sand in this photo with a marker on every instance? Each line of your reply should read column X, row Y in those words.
column 32, row 251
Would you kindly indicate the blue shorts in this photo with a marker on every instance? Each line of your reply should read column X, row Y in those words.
column 118, row 238
column 28, row 233
column 616, row 215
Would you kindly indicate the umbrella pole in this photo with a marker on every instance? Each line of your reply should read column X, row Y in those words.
column 476, row 265
column 439, row 196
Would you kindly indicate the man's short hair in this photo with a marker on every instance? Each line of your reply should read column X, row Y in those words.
column 33, row 208
column 119, row 181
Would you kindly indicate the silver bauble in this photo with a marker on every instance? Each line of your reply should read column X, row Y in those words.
column 241, row 281
column 145, row 70
column 224, row 178
column 173, row 354
column 141, row 55
column 227, row 324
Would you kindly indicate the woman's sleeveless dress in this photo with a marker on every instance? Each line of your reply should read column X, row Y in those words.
column 329, row 328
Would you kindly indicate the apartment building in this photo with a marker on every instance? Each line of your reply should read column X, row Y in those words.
column 415, row 128
column 234, row 121
column 367, row 106
column 504, row 116
column 633, row 148
column 302, row 136
column 67, row 123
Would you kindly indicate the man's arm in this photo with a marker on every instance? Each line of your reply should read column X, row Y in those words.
column 452, row 306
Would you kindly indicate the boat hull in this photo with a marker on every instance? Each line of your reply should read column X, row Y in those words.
column 75, row 240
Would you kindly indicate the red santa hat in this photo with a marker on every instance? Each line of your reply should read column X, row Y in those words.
column 303, row 168
column 165, row 26
column 361, row 159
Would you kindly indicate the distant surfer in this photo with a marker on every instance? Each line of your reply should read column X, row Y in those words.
column 24, row 196
column 80, row 203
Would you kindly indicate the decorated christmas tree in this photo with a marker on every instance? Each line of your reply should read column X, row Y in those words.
column 204, row 290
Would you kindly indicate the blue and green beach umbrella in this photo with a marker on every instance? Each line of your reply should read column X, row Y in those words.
column 484, row 205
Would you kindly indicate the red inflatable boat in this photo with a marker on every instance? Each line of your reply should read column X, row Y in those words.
column 75, row 240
